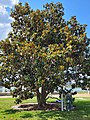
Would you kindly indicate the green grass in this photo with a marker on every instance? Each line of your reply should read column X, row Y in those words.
column 82, row 111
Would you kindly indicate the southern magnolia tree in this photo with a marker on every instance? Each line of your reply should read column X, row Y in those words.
column 38, row 50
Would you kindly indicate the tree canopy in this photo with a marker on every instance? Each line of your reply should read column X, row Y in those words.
column 40, row 48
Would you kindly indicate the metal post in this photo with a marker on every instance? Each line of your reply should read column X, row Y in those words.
column 62, row 105
column 3, row 89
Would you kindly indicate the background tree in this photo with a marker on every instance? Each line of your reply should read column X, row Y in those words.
column 39, row 49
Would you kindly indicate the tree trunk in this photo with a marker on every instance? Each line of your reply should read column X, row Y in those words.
column 41, row 97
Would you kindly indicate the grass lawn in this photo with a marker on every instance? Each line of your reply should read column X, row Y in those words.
column 82, row 111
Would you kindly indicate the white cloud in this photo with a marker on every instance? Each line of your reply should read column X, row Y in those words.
column 3, row 10
column 5, row 19
column 15, row 2
column 8, row 3
column 4, row 16
column 4, row 30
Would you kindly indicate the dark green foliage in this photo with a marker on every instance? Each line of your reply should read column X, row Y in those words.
column 39, row 49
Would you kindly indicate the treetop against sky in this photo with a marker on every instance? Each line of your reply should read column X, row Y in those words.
column 77, row 8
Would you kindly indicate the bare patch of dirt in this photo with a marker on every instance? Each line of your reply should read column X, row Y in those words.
column 82, row 95
column 77, row 95
column 5, row 96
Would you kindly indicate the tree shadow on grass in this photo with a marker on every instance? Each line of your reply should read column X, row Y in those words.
column 10, row 111
column 58, row 115
column 82, row 112
column 43, row 115
column 27, row 115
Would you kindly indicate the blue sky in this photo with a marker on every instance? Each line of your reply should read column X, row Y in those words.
column 78, row 8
